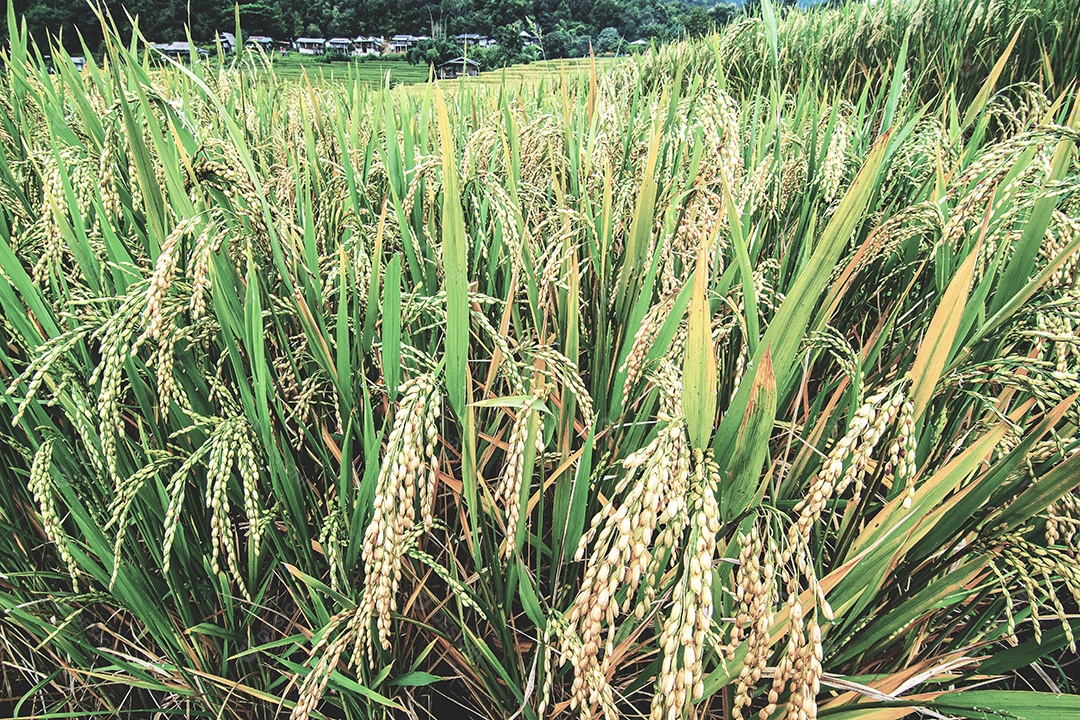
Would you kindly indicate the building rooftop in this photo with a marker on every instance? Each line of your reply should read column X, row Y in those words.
column 461, row 61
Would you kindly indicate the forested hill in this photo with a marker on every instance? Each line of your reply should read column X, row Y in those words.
column 164, row 20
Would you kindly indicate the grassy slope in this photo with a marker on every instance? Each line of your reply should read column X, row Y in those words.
column 368, row 71
column 374, row 72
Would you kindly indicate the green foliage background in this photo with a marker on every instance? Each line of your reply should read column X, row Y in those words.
column 572, row 22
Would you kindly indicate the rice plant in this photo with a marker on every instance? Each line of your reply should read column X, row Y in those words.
column 718, row 382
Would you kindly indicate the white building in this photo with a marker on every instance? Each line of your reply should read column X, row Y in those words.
column 367, row 45
column 458, row 67
column 266, row 44
column 310, row 46
column 405, row 43
column 227, row 41
column 179, row 50
column 468, row 40
column 339, row 46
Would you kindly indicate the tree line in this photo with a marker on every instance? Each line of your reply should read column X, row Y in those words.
column 566, row 27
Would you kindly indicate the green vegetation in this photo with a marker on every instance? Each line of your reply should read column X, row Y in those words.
column 738, row 377
column 372, row 72
column 566, row 27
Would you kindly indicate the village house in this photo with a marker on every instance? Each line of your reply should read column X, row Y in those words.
column 339, row 46
column 458, row 67
column 264, row 43
column 226, row 41
column 468, row 40
column 405, row 43
column 310, row 46
column 179, row 50
column 367, row 45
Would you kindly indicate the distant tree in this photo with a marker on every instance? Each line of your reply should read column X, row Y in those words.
column 570, row 42
column 567, row 25
column 156, row 23
column 433, row 52
column 697, row 22
column 557, row 43
column 508, row 37
column 58, row 20
column 563, row 42
column 753, row 7
column 608, row 13
column 561, row 13
column 723, row 12
column 342, row 21
column 503, row 15
column 581, row 47
column 295, row 25
column 262, row 17
column 609, row 41
column 665, row 33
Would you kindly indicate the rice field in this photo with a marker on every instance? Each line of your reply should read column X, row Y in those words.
column 548, row 71
column 374, row 72
column 736, row 379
